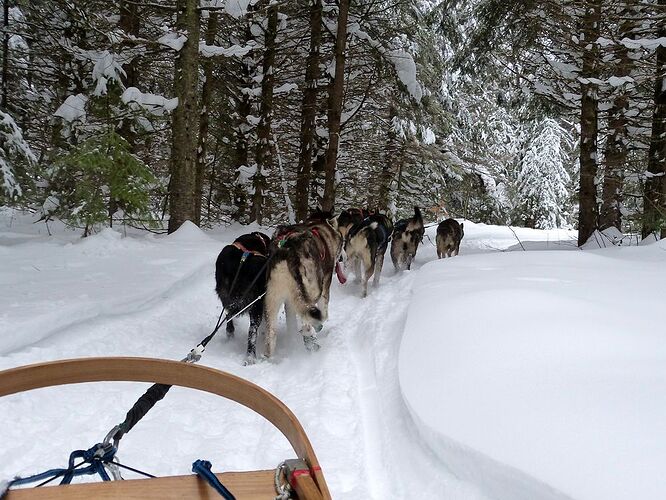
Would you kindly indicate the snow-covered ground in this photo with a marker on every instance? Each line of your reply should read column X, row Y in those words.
column 414, row 392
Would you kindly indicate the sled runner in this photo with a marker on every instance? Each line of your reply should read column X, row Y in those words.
column 302, row 472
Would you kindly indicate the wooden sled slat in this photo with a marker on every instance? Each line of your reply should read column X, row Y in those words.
column 256, row 485
column 172, row 373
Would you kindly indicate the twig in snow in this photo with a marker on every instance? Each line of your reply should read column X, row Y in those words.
column 520, row 242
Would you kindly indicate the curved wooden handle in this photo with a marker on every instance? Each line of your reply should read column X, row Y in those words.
column 74, row 371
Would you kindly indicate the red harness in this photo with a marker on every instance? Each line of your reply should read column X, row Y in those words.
column 284, row 237
column 242, row 248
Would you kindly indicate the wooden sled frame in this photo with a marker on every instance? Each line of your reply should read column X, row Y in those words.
column 245, row 485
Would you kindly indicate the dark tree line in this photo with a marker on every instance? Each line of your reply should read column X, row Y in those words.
column 212, row 112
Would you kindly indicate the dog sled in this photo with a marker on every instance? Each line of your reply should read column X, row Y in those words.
column 299, row 477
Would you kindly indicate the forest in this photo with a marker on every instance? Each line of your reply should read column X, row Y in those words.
column 149, row 113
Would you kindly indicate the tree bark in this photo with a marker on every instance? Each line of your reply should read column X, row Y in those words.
column 241, row 129
column 5, row 55
column 390, row 165
column 616, row 142
column 309, row 112
column 654, row 195
column 335, row 112
column 184, row 123
column 587, row 197
column 264, row 136
column 206, row 93
column 129, row 22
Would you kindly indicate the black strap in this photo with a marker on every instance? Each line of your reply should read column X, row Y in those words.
column 156, row 392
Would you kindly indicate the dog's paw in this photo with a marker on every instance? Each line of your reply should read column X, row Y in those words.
column 249, row 360
column 230, row 335
column 311, row 343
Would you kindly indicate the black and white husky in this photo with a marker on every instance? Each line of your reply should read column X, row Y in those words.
column 303, row 259
column 240, row 277
column 365, row 248
column 449, row 234
column 407, row 235
column 350, row 217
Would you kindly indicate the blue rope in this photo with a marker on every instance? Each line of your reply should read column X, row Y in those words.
column 96, row 456
column 202, row 469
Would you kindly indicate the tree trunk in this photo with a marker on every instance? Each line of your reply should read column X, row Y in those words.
column 587, row 198
column 206, row 92
column 5, row 55
column 264, row 139
column 308, row 113
column 184, row 123
column 391, row 158
column 654, row 196
column 616, row 142
column 337, row 94
column 129, row 22
column 241, row 130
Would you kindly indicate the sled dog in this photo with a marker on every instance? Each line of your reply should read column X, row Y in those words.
column 349, row 217
column 449, row 234
column 407, row 235
column 365, row 248
column 303, row 258
column 240, row 277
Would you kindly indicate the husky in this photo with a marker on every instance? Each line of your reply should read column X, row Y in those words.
column 449, row 234
column 365, row 248
column 240, row 277
column 349, row 217
column 303, row 259
column 407, row 235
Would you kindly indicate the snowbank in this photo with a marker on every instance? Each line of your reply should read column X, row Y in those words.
column 541, row 374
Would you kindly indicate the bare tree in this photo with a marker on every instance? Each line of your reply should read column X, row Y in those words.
column 185, row 119
column 309, row 112
column 335, row 110
column 654, row 198
column 587, row 197
column 264, row 136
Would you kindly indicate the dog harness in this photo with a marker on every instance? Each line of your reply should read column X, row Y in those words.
column 282, row 239
column 244, row 249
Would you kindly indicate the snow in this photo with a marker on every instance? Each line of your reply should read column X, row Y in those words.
column 107, row 67
column 533, row 369
column 73, row 109
column 214, row 50
column 156, row 104
column 125, row 292
column 406, row 68
column 173, row 40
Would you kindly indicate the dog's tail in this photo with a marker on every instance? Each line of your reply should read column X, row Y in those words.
column 417, row 214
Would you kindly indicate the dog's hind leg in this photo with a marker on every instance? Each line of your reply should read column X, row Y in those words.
column 379, row 264
column 230, row 329
column 272, row 302
column 256, row 314
column 292, row 321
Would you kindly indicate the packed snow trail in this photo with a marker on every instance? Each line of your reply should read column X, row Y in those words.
column 153, row 297
column 345, row 395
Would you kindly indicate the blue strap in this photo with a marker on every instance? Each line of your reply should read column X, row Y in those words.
column 96, row 456
column 202, row 469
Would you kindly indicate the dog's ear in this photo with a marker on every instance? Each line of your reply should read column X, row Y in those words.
column 334, row 223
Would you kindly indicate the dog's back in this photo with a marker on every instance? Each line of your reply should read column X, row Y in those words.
column 233, row 277
column 240, row 279
column 302, row 261
column 407, row 235
column 449, row 234
column 351, row 217
column 365, row 247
